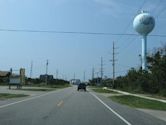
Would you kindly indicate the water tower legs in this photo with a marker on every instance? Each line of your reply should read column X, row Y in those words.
column 144, row 53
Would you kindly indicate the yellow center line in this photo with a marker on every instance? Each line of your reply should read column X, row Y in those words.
column 60, row 103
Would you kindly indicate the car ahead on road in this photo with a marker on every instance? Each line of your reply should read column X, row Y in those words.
column 81, row 86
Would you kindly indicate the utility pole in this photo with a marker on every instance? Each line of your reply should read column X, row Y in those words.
column 46, row 71
column 113, row 64
column 47, row 67
column 101, row 73
column 101, row 70
column 31, row 69
column 97, row 73
column 57, row 72
column 74, row 75
column 93, row 71
column 84, row 76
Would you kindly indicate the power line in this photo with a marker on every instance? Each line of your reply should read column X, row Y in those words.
column 76, row 32
column 159, row 13
column 62, row 32
column 125, row 48
column 130, row 22
column 139, row 9
column 132, row 41
column 156, row 7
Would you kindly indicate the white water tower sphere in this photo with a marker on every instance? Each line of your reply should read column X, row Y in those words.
column 144, row 23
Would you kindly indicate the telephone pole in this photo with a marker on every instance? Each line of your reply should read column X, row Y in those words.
column 46, row 71
column 46, row 67
column 84, row 76
column 113, row 64
column 74, row 76
column 31, row 69
column 93, row 73
column 101, row 72
column 57, row 72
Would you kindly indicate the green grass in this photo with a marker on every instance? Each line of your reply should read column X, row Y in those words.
column 101, row 90
column 7, row 95
column 51, row 86
column 137, row 102
column 46, row 88
column 59, row 86
column 37, row 89
column 156, row 96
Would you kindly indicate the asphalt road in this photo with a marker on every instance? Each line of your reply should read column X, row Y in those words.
column 69, row 107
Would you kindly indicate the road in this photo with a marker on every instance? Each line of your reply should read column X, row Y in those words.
column 69, row 107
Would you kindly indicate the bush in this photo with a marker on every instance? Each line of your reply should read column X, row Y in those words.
column 153, row 81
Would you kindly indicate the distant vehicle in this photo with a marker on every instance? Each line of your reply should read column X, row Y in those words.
column 81, row 86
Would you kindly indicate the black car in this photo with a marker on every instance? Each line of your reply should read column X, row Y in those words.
column 82, row 86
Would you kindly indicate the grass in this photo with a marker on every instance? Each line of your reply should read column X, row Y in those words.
column 51, row 86
column 7, row 95
column 59, row 86
column 45, row 88
column 137, row 102
column 101, row 90
column 37, row 89
column 156, row 96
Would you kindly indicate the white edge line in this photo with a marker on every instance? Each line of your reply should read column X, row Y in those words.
column 124, row 120
column 6, row 105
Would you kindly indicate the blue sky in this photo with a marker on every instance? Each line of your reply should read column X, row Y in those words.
column 75, row 53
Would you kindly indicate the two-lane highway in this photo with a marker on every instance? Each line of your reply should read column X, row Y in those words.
column 70, row 107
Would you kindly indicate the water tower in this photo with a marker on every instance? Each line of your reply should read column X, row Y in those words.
column 144, row 24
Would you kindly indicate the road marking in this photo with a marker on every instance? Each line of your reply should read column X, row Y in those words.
column 6, row 105
column 60, row 103
column 124, row 120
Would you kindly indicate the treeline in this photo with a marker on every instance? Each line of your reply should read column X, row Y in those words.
column 152, row 81
column 37, row 81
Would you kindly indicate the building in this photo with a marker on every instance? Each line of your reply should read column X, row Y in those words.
column 46, row 77
column 75, row 81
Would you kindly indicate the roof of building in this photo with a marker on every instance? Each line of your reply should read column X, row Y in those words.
column 4, row 73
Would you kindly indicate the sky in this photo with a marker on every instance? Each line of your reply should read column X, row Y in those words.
column 71, row 54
